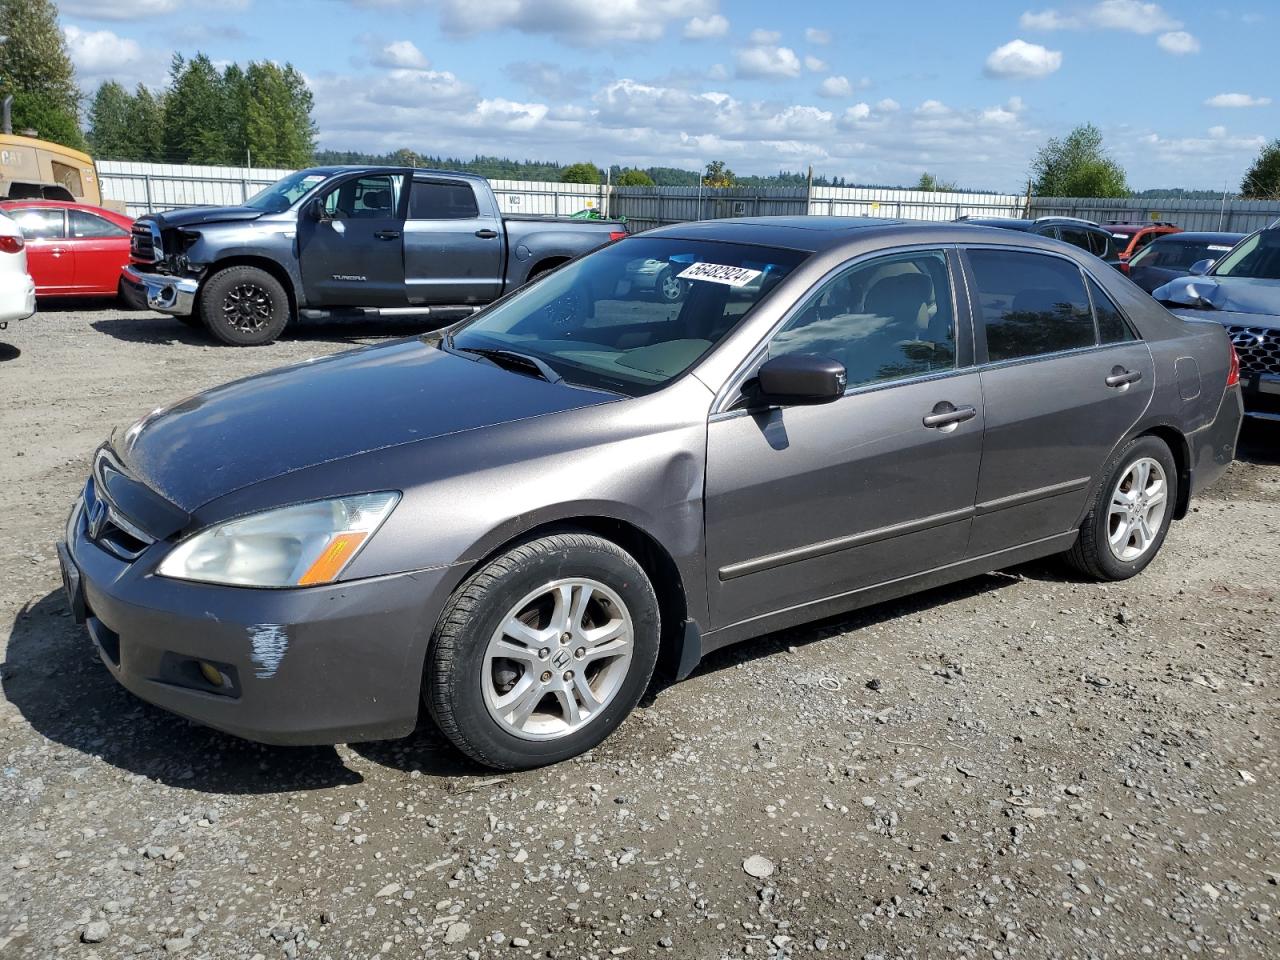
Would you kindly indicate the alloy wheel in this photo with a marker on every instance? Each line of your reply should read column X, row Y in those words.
column 1137, row 508
column 247, row 307
column 557, row 659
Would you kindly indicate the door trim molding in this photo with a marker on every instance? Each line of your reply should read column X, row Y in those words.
column 825, row 547
column 1031, row 496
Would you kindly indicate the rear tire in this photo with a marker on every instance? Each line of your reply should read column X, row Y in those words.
column 244, row 306
column 540, row 655
column 1131, row 513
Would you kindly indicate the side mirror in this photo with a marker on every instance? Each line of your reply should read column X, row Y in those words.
column 314, row 210
column 797, row 379
column 1201, row 267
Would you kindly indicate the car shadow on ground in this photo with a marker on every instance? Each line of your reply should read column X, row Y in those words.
column 147, row 327
column 52, row 674
column 9, row 352
column 1259, row 443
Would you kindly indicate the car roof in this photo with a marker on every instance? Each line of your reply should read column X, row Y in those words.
column 816, row 234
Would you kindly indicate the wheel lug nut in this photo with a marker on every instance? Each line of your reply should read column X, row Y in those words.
column 546, row 676
column 568, row 675
column 565, row 638
column 544, row 653
column 580, row 652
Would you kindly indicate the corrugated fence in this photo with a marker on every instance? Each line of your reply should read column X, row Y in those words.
column 147, row 187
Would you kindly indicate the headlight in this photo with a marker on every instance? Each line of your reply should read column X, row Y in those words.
column 298, row 546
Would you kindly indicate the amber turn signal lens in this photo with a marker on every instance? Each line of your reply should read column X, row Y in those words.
column 335, row 556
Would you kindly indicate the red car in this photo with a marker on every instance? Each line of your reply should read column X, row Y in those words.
column 73, row 249
column 1132, row 237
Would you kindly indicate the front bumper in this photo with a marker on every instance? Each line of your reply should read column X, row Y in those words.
column 173, row 295
column 318, row 665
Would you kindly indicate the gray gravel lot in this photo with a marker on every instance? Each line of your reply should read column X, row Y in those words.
column 1023, row 765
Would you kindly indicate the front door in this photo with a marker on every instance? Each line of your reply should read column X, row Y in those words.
column 454, row 250
column 807, row 503
column 354, row 255
column 51, row 261
column 1065, row 380
column 101, row 249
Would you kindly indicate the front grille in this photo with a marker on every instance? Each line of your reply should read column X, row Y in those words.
column 1258, row 349
column 144, row 243
column 103, row 522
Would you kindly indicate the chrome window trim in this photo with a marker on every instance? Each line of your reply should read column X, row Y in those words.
column 732, row 388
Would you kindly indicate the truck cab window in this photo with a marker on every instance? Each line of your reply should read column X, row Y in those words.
column 438, row 200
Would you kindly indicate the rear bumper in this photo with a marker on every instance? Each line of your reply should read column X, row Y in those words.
column 1213, row 447
column 166, row 294
column 319, row 665
column 18, row 300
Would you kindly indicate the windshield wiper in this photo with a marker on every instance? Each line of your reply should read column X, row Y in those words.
column 512, row 360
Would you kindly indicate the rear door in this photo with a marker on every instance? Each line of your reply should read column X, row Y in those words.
column 354, row 257
column 51, row 261
column 1064, row 378
column 454, row 243
column 101, row 248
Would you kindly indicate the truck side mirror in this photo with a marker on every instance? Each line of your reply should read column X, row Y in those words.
column 315, row 210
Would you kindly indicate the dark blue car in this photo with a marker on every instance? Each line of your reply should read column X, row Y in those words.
column 1171, row 256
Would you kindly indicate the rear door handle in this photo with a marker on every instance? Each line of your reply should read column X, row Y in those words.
column 947, row 416
column 1120, row 377
column 486, row 234
column 387, row 234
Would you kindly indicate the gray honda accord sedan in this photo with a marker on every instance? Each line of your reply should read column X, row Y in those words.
column 515, row 520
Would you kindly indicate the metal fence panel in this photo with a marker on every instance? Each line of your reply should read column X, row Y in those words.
column 1238, row 216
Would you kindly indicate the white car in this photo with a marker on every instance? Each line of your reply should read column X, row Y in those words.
column 17, row 289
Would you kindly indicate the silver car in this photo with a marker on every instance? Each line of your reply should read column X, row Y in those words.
column 517, row 520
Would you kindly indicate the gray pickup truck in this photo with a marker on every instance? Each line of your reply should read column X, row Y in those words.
column 347, row 241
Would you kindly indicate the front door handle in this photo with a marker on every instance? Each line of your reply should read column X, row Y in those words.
column 387, row 234
column 1121, row 378
column 486, row 234
column 947, row 416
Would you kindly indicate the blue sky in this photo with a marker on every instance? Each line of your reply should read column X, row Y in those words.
column 1184, row 93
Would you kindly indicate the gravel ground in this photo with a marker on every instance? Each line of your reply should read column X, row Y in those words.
column 1023, row 765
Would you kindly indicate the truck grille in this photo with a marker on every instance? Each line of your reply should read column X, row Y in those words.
column 1258, row 349
column 144, row 243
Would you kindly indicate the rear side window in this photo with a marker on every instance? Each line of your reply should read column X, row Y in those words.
column 442, row 201
column 1030, row 304
column 41, row 224
column 1074, row 236
column 89, row 225
column 1112, row 326
column 1100, row 243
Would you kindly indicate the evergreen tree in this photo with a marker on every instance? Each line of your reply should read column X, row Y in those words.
column 195, row 113
column 111, row 123
column 36, row 69
column 147, row 125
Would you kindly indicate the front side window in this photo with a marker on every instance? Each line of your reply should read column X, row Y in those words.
column 375, row 197
column 438, row 200
column 1255, row 258
column 1030, row 304
column 40, row 224
column 632, row 316
column 89, row 226
column 885, row 319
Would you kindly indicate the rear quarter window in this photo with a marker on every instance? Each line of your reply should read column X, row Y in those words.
column 1030, row 304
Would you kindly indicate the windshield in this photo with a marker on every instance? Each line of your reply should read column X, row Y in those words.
column 1256, row 258
column 1178, row 254
column 283, row 194
column 634, row 315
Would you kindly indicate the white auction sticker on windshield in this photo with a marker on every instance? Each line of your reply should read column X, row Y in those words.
column 719, row 273
column 1214, row 246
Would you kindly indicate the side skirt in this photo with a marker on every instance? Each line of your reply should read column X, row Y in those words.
column 889, row 590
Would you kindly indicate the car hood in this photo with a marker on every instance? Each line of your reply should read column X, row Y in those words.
column 1234, row 294
column 325, row 410
column 193, row 216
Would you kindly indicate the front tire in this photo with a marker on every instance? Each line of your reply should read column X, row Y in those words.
column 1131, row 513
column 244, row 306
column 540, row 655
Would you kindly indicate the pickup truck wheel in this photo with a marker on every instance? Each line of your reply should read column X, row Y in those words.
column 244, row 306
column 543, row 652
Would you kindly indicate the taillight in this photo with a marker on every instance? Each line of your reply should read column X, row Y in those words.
column 616, row 235
column 11, row 244
column 1233, row 369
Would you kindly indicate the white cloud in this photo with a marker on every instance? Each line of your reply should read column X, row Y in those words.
column 101, row 55
column 579, row 22
column 766, row 61
column 815, row 64
column 859, row 111
column 1133, row 16
column 1237, row 100
column 1217, row 132
column 932, row 108
column 836, row 87
column 817, row 36
column 705, row 28
column 888, row 105
column 1178, row 42
column 133, row 9
column 549, row 80
column 401, row 54
column 764, row 38
column 1017, row 58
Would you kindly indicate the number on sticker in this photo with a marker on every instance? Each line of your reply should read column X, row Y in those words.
column 719, row 273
